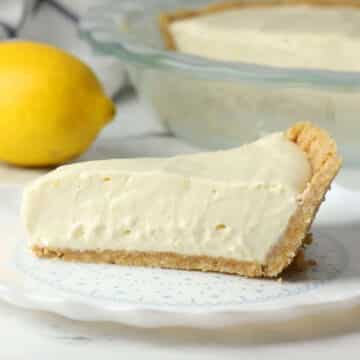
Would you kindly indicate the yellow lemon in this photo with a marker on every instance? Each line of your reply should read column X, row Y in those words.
column 51, row 105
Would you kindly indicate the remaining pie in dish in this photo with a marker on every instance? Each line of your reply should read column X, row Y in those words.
column 245, row 211
column 287, row 33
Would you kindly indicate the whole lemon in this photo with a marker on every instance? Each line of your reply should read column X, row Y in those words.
column 51, row 105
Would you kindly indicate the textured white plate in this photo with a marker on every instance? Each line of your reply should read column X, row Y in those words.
column 155, row 297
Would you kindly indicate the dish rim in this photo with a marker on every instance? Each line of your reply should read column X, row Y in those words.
column 105, row 28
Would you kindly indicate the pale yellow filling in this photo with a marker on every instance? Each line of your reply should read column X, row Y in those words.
column 235, row 203
column 287, row 36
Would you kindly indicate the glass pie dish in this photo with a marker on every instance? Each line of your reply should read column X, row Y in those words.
column 217, row 104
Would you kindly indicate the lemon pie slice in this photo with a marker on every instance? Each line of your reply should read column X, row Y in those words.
column 245, row 211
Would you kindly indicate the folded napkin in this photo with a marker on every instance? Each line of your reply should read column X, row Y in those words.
column 55, row 22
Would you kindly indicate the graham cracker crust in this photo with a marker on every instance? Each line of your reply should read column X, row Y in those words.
column 155, row 259
column 167, row 18
column 325, row 162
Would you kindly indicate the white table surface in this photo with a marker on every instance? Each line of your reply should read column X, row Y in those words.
column 29, row 334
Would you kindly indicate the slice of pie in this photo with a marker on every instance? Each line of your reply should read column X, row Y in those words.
column 245, row 211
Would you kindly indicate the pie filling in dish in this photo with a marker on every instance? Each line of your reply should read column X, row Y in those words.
column 245, row 211
column 287, row 33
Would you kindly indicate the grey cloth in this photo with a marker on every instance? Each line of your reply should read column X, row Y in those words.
column 55, row 22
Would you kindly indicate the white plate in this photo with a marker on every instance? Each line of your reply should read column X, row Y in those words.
column 154, row 297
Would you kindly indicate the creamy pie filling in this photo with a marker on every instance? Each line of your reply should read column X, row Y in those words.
column 235, row 203
column 287, row 36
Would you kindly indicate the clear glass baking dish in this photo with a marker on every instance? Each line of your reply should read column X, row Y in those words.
column 221, row 104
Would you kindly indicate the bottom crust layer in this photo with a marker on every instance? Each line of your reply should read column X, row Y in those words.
column 170, row 260
column 155, row 259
